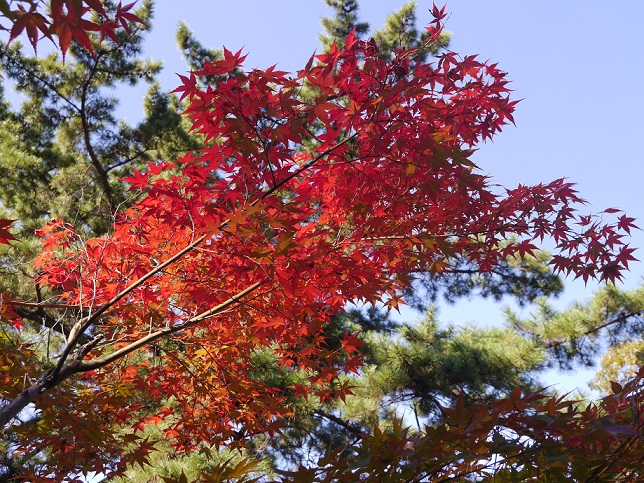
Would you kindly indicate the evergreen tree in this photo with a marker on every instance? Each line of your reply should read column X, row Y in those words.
column 399, row 32
column 345, row 20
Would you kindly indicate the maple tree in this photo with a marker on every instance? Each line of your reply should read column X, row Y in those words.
column 294, row 208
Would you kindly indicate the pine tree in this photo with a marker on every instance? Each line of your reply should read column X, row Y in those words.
column 345, row 20
column 609, row 323
column 399, row 32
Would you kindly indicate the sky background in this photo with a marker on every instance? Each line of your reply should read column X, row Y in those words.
column 577, row 65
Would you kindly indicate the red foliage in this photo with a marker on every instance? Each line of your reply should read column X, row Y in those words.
column 64, row 20
column 296, row 206
column 5, row 235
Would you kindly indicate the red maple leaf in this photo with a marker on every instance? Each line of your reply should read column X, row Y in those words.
column 5, row 235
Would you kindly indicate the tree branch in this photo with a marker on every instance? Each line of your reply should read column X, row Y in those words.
column 102, row 174
column 103, row 361
column 76, row 365
column 66, row 367
column 622, row 317
column 352, row 428
column 48, row 321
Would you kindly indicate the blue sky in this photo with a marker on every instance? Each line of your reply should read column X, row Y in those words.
column 577, row 65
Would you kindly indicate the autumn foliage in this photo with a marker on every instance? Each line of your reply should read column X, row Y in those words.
column 63, row 21
column 311, row 192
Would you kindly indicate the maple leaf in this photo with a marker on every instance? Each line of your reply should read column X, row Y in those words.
column 350, row 343
column 626, row 223
column 5, row 235
column 124, row 17
column 33, row 22
column 138, row 180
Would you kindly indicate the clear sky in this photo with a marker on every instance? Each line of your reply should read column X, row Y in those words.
column 578, row 66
